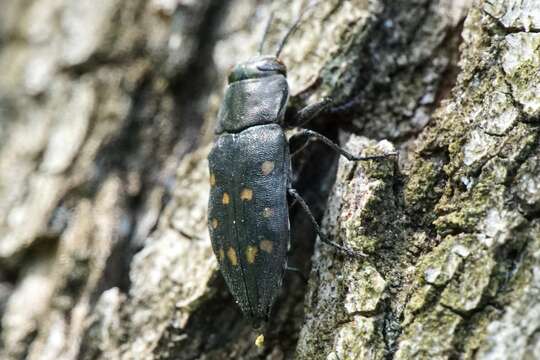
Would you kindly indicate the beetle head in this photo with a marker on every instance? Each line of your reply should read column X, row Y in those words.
column 257, row 67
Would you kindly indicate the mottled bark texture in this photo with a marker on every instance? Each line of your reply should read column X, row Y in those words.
column 106, row 115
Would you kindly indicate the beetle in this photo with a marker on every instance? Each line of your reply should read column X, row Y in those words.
column 250, row 179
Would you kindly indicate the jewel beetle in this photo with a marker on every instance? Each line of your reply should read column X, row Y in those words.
column 250, row 180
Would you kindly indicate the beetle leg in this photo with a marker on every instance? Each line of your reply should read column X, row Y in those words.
column 310, row 112
column 335, row 147
column 297, row 271
column 302, row 148
column 323, row 238
column 291, row 205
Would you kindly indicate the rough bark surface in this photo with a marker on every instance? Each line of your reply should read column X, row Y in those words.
column 106, row 114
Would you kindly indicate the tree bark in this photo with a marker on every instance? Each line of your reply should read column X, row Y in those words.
column 106, row 116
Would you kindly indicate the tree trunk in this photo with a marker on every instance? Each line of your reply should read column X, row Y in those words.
column 107, row 110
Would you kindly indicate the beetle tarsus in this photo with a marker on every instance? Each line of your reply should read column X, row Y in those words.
column 374, row 157
column 313, row 134
column 324, row 239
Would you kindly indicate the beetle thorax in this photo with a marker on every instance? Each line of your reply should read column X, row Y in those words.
column 257, row 94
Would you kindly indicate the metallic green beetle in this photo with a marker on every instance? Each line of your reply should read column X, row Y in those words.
column 248, row 216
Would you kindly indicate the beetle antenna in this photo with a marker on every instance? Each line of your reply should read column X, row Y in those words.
column 293, row 28
column 265, row 34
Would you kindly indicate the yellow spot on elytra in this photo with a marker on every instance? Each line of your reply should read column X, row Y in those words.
column 231, row 254
column 267, row 167
column 246, row 194
column 221, row 255
column 259, row 341
column 266, row 246
column 212, row 180
column 251, row 254
column 215, row 223
column 268, row 212
column 226, row 199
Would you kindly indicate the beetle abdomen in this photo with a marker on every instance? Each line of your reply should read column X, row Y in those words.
column 248, row 214
column 253, row 102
